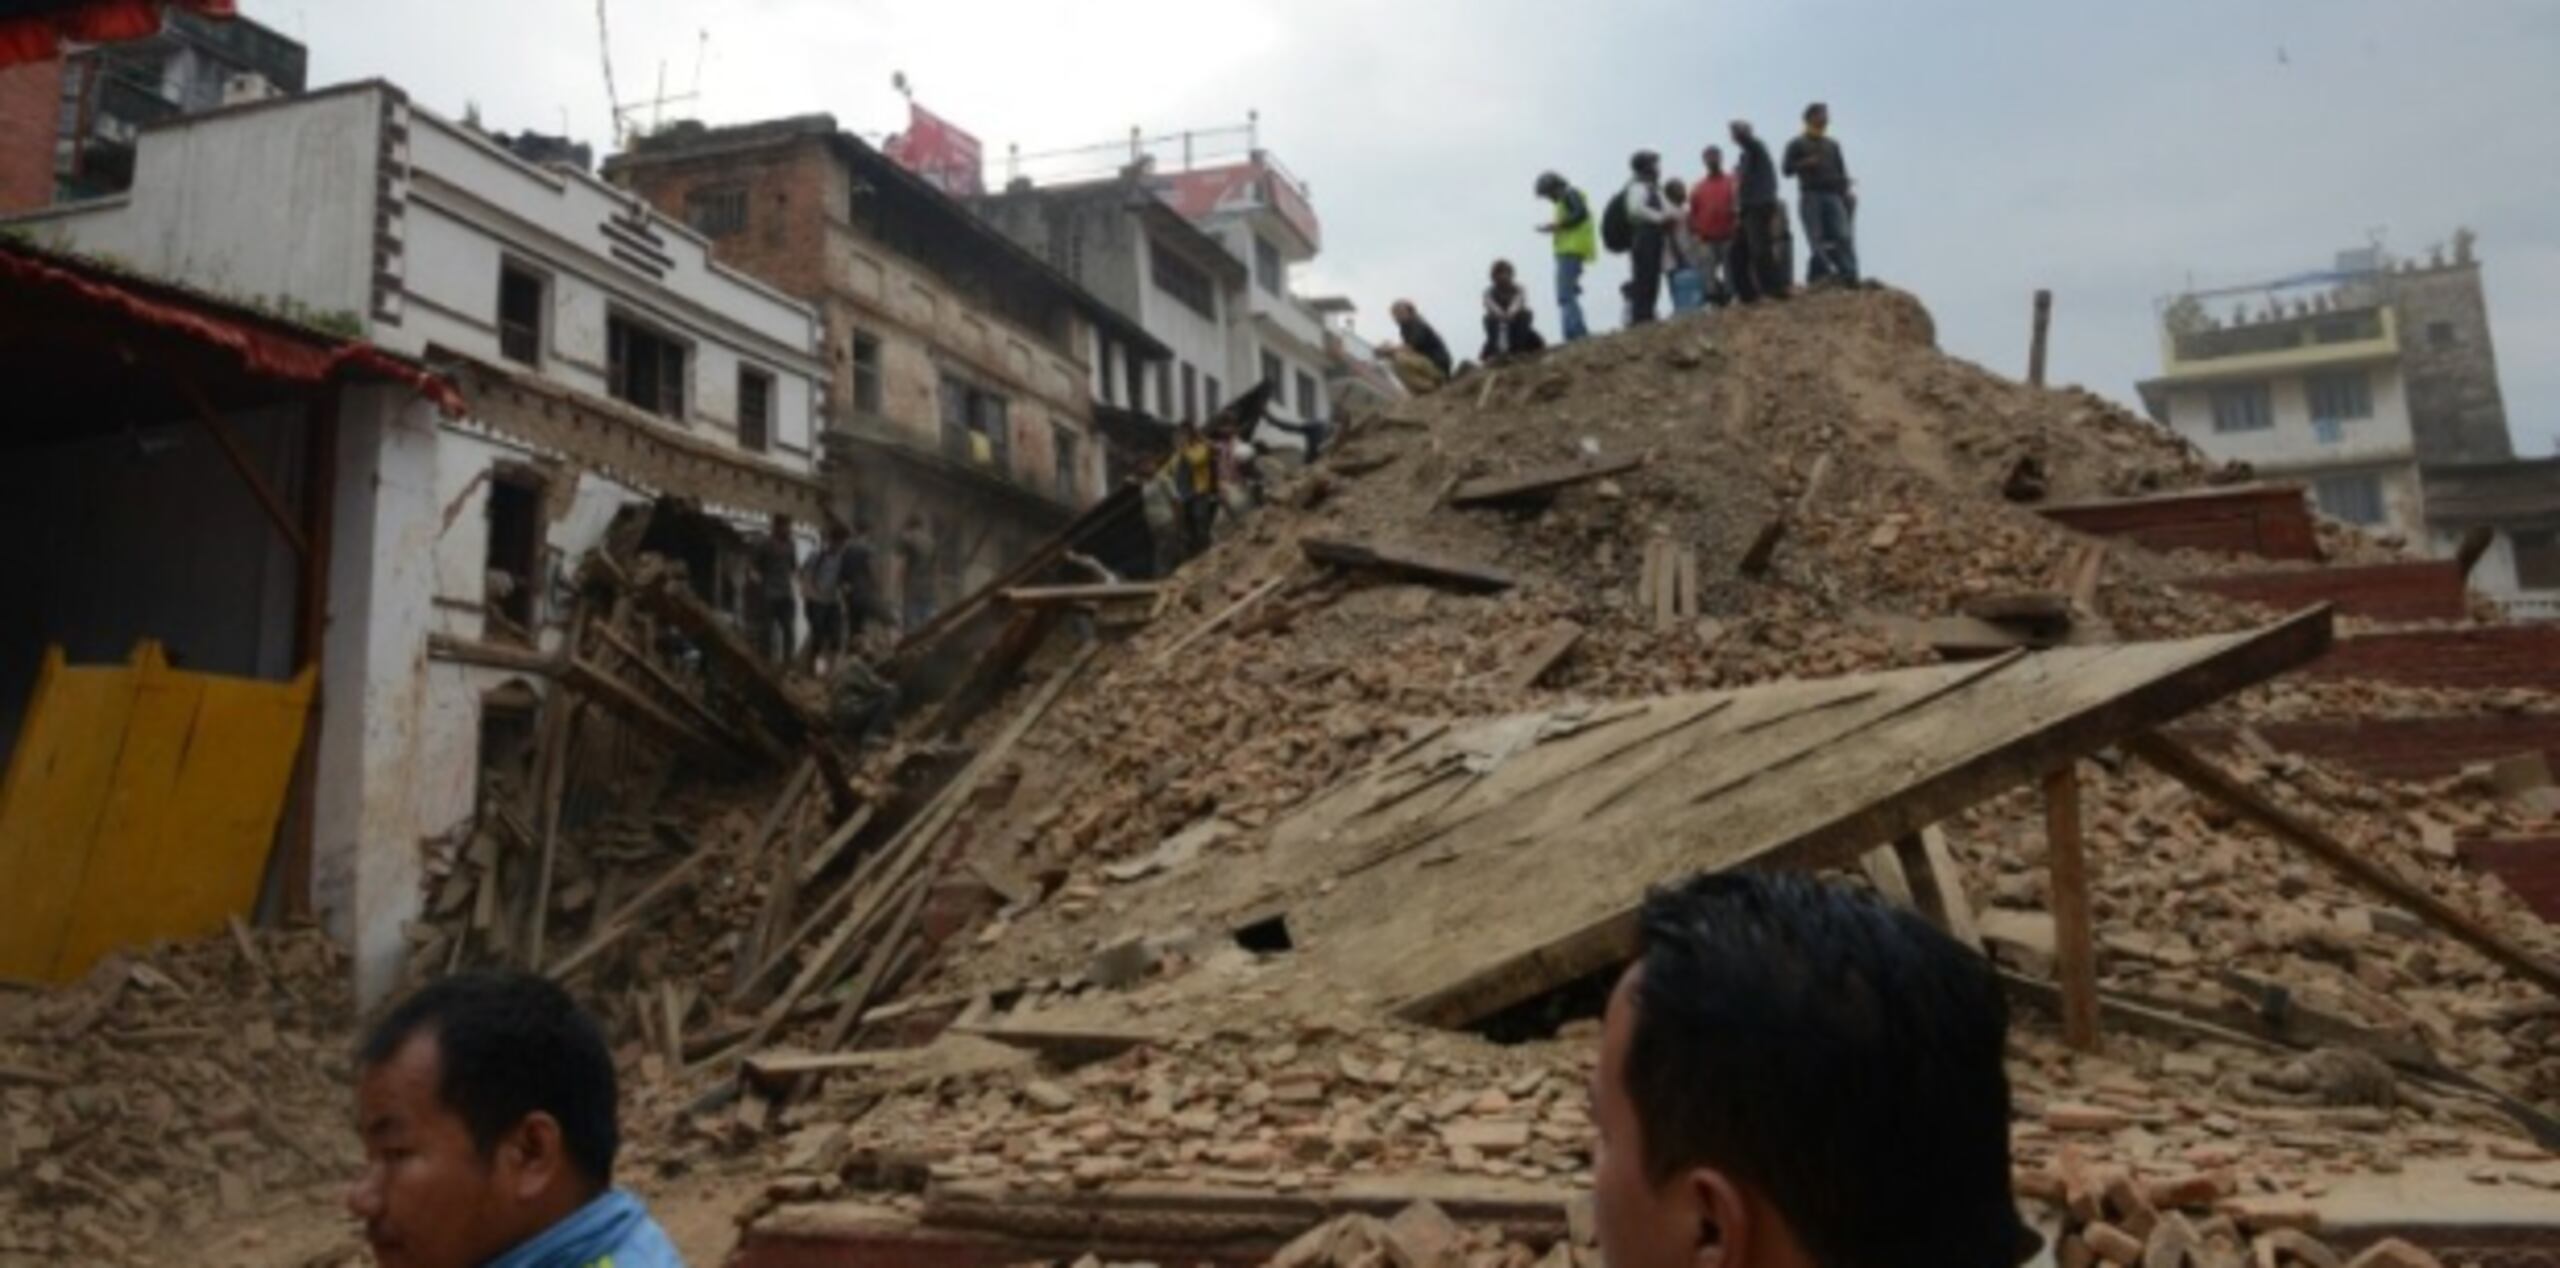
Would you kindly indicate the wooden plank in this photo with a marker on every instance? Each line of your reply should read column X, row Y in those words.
column 1884, row 870
column 701, row 713
column 1542, row 482
column 1225, row 615
column 555, row 780
column 782, row 876
column 1543, row 655
column 837, row 843
column 1971, row 638
column 2075, row 942
column 2182, row 764
column 1955, row 906
column 2038, row 609
column 919, row 643
column 1763, row 550
column 628, row 916
column 1821, row 810
column 1115, row 592
column 1689, row 605
column 903, row 854
column 1407, row 564
column 1665, row 583
column 464, row 651
column 629, row 704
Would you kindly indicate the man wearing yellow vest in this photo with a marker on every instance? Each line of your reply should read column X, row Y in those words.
column 1577, row 238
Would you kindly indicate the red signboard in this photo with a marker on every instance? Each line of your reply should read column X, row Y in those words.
column 946, row 157
column 1247, row 186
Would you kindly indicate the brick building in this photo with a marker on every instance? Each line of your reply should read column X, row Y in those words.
column 28, row 94
column 2451, row 363
column 966, row 369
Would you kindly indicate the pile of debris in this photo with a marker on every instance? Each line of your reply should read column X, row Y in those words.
column 170, row 1090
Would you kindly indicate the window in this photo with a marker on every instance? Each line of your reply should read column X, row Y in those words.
column 975, row 425
column 2242, row 407
column 513, row 561
column 755, row 409
column 1268, row 271
column 717, row 211
column 1212, row 396
column 1190, row 394
column 1164, row 388
column 1108, row 367
column 2537, row 559
column 644, row 368
column 1070, row 463
column 1309, row 408
column 866, row 374
column 2344, row 395
column 2356, row 498
column 519, row 315
column 2440, row 334
column 1183, row 280
column 1271, row 372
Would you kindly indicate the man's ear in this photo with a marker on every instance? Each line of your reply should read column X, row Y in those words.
column 536, row 1155
column 1720, row 1219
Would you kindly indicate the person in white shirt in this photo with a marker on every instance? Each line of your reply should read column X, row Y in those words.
column 1649, row 215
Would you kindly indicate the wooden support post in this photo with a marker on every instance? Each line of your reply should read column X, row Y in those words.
column 228, row 442
column 311, row 631
column 2035, row 346
column 2075, row 946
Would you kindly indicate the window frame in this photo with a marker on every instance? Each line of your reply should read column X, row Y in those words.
column 2264, row 413
column 509, row 267
column 1270, row 268
column 2543, row 551
column 2356, row 385
column 870, row 390
column 764, row 382
column 619, row 327
column 1184, row 282
column 726, row 198
column 2322, row 496
column 1309, row 398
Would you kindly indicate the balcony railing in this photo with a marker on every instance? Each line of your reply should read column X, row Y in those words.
column 2311, row 331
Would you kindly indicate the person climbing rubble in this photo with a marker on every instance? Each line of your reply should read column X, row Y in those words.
column 777, row 595
column 1194, row 469
column 1509, row 327
column 1827, row 200
column 1793, row 1073
column 861, row 705
column 1420, row 339
column 1577, row 243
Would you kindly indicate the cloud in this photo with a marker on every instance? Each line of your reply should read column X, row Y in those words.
column 2113, row 153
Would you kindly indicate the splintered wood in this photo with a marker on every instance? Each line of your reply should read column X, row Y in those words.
column 1669, row 584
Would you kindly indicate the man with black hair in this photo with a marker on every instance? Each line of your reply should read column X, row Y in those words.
column 1793, row 1075
column 486, row 1106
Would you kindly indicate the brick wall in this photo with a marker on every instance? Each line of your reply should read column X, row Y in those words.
column 29, row 109
column 2409, row 748
column 2483, row 657
column 2272, row 521
column 2528, row 865
column 2451, row 363
column 2431, row 590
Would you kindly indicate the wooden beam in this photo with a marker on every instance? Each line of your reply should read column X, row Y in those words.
column 555, row 787
column 464, row 651
column 627, row 702
column 626, row 918
column 2036, row 339
column 1764, row 546
column 2181, row 763
column 1541, row 482
column 1225, row 615
column 1552, row 647
column 2075, row 943
column 1121, row 591
column 228, row 441
column 1405, row 564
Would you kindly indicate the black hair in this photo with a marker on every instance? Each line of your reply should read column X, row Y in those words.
column 509, row 1045
column 1816, row 107
column 1839, row 1057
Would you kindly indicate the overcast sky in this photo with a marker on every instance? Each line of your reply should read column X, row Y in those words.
column 2113, row 152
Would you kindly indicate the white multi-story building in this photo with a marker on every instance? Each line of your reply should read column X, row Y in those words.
column 606, row 359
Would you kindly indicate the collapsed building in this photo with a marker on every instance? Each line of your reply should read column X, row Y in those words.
column 1204, row 912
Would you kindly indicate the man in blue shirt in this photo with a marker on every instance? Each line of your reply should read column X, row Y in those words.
column 486, row 1106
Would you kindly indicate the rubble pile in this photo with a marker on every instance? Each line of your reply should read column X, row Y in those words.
column 171, row 1089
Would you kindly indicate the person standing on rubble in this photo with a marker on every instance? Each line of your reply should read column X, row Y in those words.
column 1712, row 222
column 915, row 574
column 1761, row 270
column 486, row 1106
column 1195, row 486
column 1794, row 1074
column 1577, row 241
column 822, row 598
column 1827, row 201
column 777, row 564
column 1421, row 339
column 1649, row 217
column 857, row 572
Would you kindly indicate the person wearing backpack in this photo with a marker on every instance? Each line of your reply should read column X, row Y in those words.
column 1648, row 217
column 1575, row 233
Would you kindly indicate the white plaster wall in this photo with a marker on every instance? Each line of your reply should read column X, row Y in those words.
column 261, row 206
column 1193, row 338
column 2292, row 442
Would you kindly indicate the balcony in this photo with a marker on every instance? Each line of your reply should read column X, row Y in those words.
column 2305, row 341
column 1289, row 318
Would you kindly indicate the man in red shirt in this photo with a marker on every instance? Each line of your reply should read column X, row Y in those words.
column 1713, row 219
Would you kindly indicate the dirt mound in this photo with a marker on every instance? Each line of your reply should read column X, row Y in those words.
column 1732, row 414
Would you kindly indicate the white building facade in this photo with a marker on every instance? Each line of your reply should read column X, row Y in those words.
column 608, row 362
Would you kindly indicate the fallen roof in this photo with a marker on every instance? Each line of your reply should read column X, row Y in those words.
column 1494, row 863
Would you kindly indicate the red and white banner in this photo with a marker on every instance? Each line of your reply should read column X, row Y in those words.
column 946, row 157
column 34, row 31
